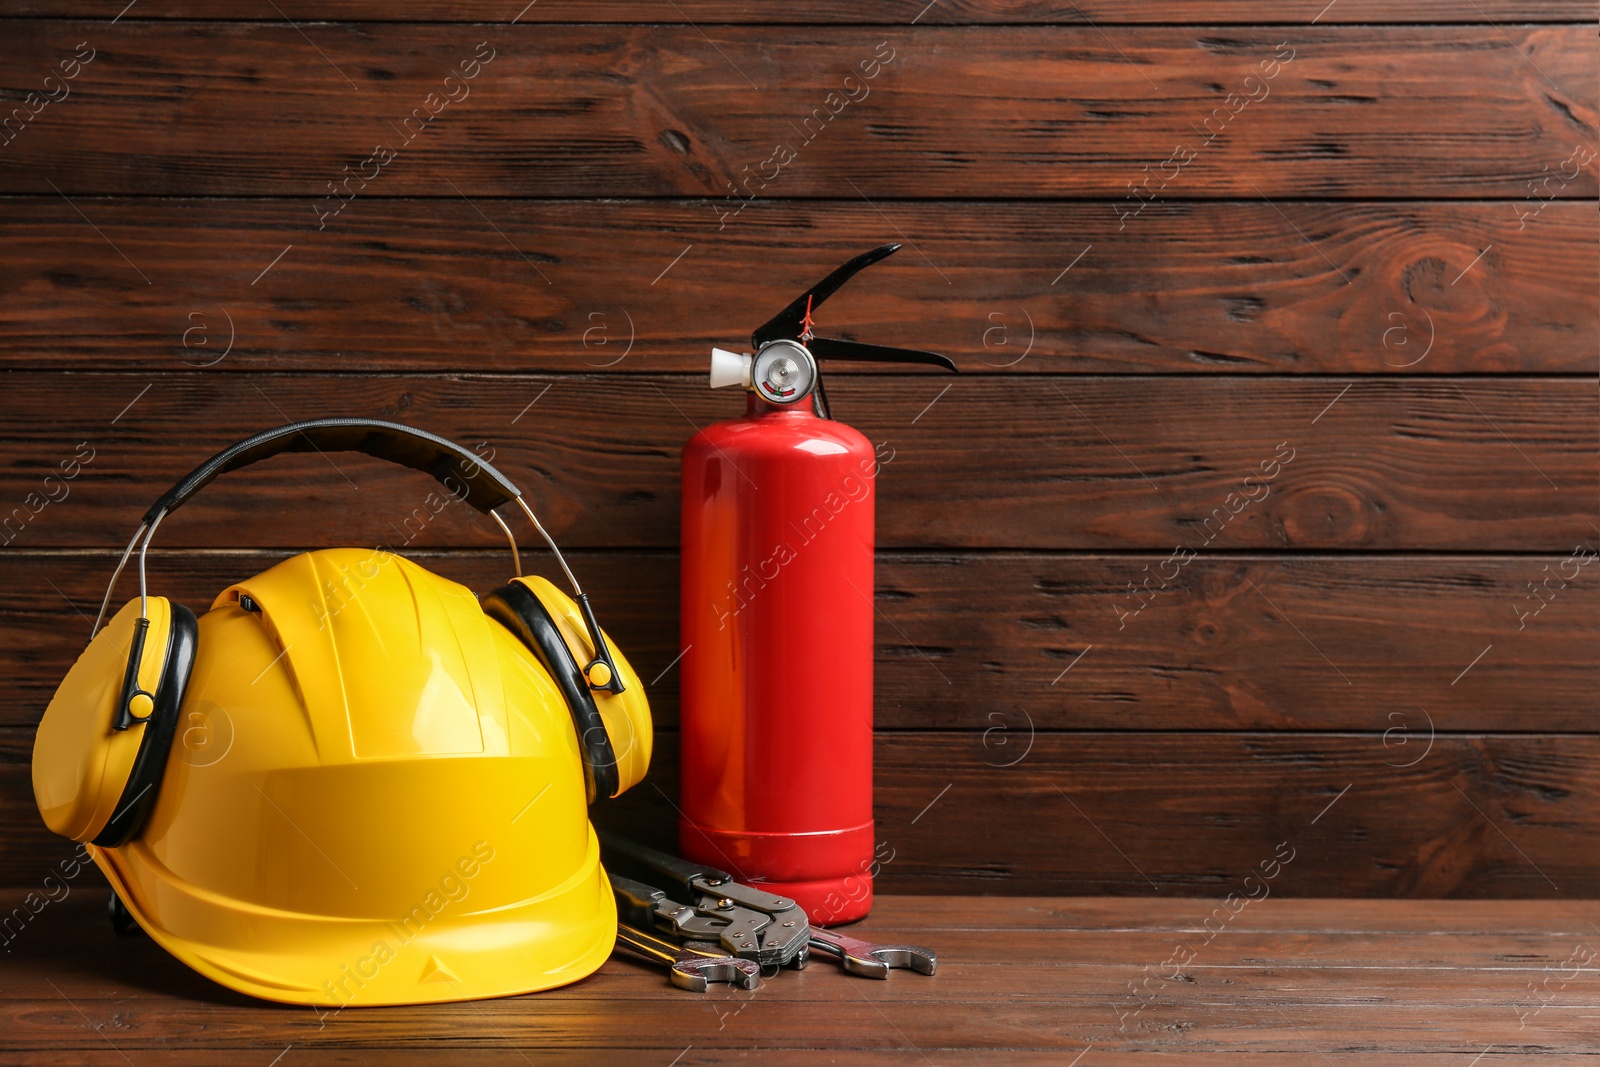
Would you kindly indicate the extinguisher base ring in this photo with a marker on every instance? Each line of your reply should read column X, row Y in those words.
column 828, row 873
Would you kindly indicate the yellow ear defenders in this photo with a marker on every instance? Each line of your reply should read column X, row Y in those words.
column 105, row 796
column 399, row 812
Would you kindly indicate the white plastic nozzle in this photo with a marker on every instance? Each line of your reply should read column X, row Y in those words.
column 730, row 368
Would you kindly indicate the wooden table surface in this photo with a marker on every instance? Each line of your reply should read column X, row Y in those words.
column 1021, row 980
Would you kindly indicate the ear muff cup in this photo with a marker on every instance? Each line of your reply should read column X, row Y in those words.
column 144, row 780
column 518, row 610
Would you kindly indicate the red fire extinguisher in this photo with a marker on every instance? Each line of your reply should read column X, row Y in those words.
column 776, row 621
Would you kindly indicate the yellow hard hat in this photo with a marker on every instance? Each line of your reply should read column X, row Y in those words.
column 377, row 786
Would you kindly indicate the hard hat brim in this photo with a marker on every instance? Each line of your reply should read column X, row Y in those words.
column 546, row 941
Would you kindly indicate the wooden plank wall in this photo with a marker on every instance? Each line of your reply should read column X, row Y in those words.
column 1346, row 248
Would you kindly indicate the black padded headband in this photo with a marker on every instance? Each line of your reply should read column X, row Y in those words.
column 480, row 484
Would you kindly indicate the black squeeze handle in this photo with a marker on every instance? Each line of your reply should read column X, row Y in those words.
column 477, row 482
column 786, row 323
column 791, row 322
column 861, row 352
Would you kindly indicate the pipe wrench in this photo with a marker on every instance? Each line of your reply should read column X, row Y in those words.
column 692, row 902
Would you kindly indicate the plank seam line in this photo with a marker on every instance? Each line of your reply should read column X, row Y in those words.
column 979, row 375
column 841, row 26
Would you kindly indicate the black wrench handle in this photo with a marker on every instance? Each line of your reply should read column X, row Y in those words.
column 645, row 864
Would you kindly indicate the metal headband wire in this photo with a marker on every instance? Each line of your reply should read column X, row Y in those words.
column 511, row 538
column 577, row 590
column 144, row 592
column 123, row 562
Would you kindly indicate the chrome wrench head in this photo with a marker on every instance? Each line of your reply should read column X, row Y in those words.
column 693, row 970
column 690, row 967
column 871, row 960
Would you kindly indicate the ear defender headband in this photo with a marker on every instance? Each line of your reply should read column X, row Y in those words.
column 145, row 660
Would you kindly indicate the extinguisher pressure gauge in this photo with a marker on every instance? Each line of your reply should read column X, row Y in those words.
column 782, row 372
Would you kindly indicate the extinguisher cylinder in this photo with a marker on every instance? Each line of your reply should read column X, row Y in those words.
column 776, row 676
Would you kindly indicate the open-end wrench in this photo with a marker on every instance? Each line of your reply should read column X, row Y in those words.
column 689, row 968
column 869, row 960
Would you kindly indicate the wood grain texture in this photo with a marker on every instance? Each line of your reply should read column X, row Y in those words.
column 595, row 111
column 1052, row 642
column 1084, row 813
column 1098, row 931
column 1032, row 995
column 1359, row 267
column 1003, row 288
column 1482, row 464
column 1192, row 814
column 768, row 12
column 513, row 1056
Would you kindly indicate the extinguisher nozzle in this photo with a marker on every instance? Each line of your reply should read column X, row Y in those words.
column 730, row 368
